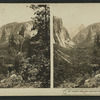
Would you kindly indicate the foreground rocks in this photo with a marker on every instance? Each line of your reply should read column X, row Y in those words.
column 16, row 81
column 13, row 80
column 93, row 82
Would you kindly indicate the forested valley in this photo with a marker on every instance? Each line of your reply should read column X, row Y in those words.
column 76, row 60
column 25, row 51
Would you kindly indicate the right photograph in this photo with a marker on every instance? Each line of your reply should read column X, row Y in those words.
column 76, row 45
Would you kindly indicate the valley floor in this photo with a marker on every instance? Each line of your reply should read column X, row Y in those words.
column 77, row 67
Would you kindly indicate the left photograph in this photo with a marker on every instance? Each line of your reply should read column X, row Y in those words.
column 24, row 46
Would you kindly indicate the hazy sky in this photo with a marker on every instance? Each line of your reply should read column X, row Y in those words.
column 74, row 15
column 14, row 13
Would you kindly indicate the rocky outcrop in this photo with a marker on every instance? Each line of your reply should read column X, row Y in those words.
column 15, row 34
column 93, row 82
column 60, row 33
column 12, row 81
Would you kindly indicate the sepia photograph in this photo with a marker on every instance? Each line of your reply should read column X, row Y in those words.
column 24, row 45
column 76, row 45
column 49, row 49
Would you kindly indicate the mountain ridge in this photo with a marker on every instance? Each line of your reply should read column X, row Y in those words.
column 17, row 31
column 87, row 34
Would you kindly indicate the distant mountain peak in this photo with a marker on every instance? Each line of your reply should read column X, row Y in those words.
column 87, row 35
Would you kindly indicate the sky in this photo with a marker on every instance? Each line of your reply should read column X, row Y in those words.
column 75, row 15
column 15, row 13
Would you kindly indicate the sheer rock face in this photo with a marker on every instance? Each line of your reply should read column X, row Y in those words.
column 16, row 33
column 60, row 34
column 87, row 35
column 27, row 31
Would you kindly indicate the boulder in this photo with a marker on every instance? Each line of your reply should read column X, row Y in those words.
column 93, row 82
